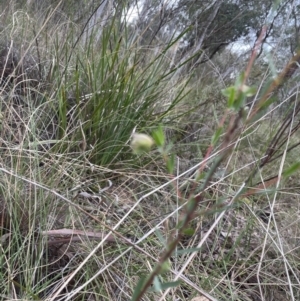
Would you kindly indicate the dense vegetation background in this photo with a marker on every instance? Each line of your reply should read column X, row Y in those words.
column 210, row 211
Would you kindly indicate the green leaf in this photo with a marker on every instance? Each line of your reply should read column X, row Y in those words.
column 230, row 93
column 291, row 170
column 156, row 284
column 166, row 285
column 171, row 163
column 160, row 237
column 62, row 108
column 227, row 91
column 165, row 267
column 189, row 231
column 216, row 135
column 159, row 137
column 239, row 102
column 187, row 251
column 138, row 288
column 199, row 176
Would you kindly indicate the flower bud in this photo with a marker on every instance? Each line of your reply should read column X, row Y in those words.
column 141, row 143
